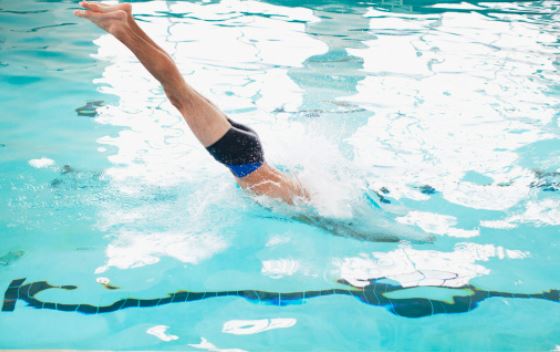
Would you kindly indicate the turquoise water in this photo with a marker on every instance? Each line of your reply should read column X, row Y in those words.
column 445, row 114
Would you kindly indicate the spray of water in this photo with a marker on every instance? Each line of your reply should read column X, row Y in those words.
column 341, row 201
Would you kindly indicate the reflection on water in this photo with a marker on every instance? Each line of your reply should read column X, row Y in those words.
column 403, row 103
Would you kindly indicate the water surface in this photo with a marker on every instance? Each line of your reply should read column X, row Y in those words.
column 444, row 114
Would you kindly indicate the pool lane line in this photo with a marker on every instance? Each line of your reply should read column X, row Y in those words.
column 372, row 294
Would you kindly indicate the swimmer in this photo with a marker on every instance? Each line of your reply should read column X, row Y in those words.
column 230, row 143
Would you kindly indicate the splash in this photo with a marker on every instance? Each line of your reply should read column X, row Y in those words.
column 340, row 201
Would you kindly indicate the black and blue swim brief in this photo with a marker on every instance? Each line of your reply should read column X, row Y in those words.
column 239, row 149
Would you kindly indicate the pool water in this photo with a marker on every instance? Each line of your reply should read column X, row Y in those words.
column 119, row 232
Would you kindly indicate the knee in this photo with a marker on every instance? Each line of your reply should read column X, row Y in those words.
column 177, row 95
column 166, row 70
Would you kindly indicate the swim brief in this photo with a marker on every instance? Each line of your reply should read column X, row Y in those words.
column 239, row 149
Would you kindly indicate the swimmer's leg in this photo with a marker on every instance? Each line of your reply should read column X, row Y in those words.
column 206, row 121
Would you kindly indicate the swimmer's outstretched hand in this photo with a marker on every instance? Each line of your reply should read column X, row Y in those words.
column 111, row 18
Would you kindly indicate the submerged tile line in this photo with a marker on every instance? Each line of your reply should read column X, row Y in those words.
column 372, row 294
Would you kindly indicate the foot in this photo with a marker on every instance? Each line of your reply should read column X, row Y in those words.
column 114, row 22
